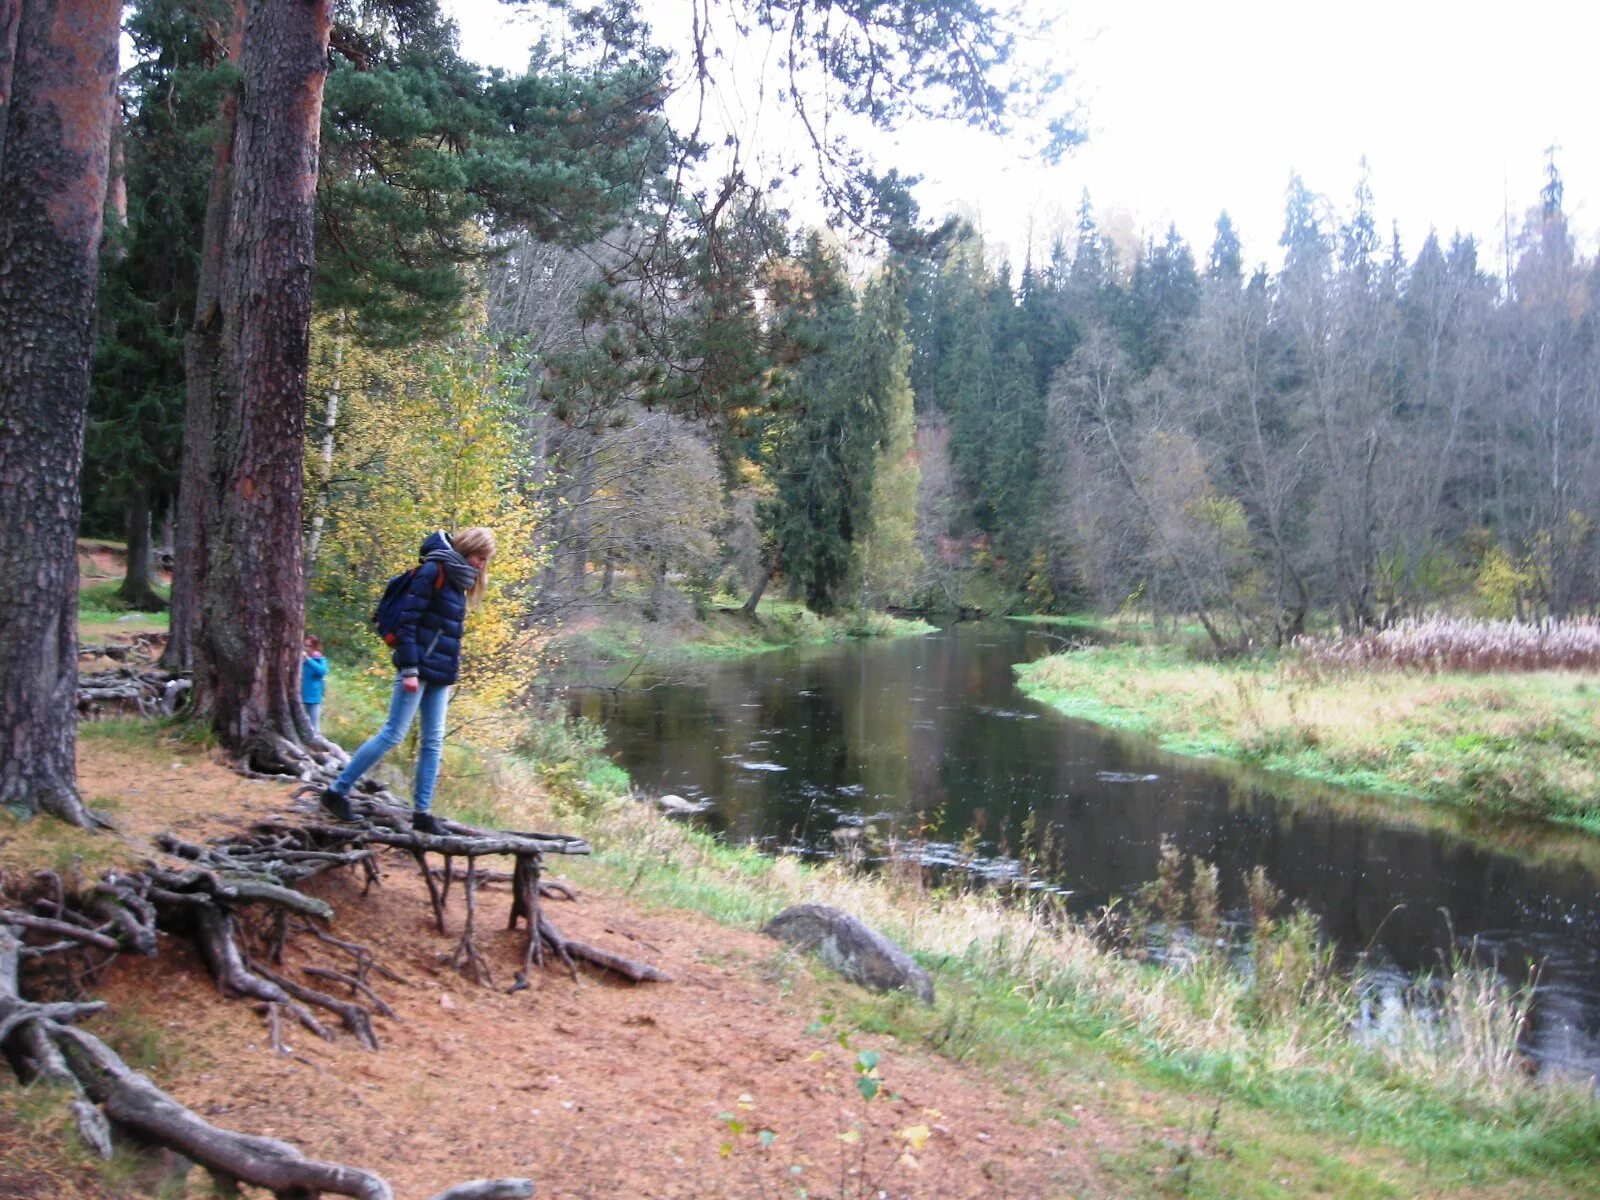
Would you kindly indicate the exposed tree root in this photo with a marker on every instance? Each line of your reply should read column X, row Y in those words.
column 219, row 946
column 60, row 941
column 356, row 986
column 124, row 691
column 356, row 1019
column 550, row 889
column 363, row 956
column 42, row 1042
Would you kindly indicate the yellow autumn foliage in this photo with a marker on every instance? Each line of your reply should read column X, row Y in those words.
column 429, row 437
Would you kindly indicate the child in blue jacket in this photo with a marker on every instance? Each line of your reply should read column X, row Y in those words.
column 313, row 681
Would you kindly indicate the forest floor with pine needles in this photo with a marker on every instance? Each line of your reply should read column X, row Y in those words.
column 1503, row 743
column 593, row 1088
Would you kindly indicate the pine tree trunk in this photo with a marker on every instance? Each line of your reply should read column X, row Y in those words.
column 252, row 612
column 58, row 71
column 117, row 185
column 168, row 517
column 202, row 353
column 136, row 590
column 10, row 25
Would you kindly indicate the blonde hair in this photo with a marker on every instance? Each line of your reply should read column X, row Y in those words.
column 476, row 540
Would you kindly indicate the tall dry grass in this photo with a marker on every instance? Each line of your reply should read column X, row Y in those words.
column 1461, row 644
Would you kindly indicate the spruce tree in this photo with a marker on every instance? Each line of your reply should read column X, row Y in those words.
column 826, row 449
column 1225, row 263
column 169, row 95
column 1011, row 486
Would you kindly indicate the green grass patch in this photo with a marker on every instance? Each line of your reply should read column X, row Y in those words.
column 98, row 607
column 149, row 735
column 44, row 843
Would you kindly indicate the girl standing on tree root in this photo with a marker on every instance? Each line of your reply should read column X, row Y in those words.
column 452, row 577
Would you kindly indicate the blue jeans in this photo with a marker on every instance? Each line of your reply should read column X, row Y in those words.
column 432, row 699
column 314, row 715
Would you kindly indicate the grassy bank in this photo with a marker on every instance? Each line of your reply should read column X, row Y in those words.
column 1306, row 1106
column 100, row 612
column 1229, row 1082
column 1527, row 743
column 1302, row 1105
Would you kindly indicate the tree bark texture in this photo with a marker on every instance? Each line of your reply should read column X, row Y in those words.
column 58, row 71
column 202, row 353
column 10, row 24
column 253, row 595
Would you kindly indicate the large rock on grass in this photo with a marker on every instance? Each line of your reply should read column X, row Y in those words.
column 859, row 953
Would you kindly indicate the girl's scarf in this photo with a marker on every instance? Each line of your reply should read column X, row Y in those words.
column 457, row 569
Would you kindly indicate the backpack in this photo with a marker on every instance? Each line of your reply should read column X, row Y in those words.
column 386, row 616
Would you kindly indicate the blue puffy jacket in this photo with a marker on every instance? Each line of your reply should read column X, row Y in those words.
column 313, row 674
column 428, row 630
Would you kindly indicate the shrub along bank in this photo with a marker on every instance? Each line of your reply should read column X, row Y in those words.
column 623, row 640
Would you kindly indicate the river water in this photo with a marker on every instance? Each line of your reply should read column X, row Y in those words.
column 852, row 746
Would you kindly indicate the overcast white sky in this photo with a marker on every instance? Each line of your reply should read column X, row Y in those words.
column 1194, row 108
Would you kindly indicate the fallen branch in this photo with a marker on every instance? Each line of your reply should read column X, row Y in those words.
column 638, row 972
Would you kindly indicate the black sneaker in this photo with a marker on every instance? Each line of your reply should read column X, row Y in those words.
column 423, row 822
column 336, row 805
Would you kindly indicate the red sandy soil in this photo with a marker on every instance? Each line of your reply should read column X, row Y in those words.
column 99, row 562
column 593, row 1088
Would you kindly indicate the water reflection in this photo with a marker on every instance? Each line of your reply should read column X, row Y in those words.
column 930, row 736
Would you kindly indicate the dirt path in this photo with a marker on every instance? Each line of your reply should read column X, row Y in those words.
column 594, row 1088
